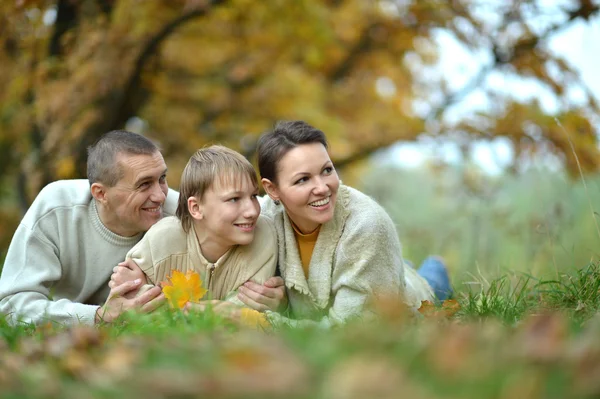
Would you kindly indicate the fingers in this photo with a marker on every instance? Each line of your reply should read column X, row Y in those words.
column 124, row 273
column 274, row 282
column 124, row 288
column 254, row 290
column 129, row 264
column 147, row 296
column 252, row 303
column 154, row 304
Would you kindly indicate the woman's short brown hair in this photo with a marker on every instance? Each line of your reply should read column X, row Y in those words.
column 202, row 171
column 286, row 135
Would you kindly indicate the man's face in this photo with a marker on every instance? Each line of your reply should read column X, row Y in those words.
column 135, row 203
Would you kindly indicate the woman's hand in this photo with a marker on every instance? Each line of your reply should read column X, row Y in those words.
column 269, row 296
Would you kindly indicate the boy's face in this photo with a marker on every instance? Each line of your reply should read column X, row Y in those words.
column 230, row 210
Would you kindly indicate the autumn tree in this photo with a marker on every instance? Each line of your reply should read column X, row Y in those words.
column 190, row 72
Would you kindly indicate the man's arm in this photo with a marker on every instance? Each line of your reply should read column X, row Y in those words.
column 30, row 270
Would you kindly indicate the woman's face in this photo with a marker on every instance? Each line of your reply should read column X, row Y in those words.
column 307, row 186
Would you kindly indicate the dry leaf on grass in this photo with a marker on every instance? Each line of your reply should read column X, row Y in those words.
column 448, row 309
column 183, row 288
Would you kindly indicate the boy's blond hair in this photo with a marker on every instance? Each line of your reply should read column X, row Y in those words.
column 202, row 171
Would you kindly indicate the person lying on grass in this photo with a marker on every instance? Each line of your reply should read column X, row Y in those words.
column 338, row 248
column 218, row 232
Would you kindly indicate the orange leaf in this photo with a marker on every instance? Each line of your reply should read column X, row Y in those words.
column 252, row 318
column 448, row 309
column 183, row 288
column 427, row 308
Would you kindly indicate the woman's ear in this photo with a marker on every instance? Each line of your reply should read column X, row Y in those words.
column 195, row 208
column 270, row 189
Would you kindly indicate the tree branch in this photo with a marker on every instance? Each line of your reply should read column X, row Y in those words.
column 127, row 103
column 363, row 45
column 66, row 18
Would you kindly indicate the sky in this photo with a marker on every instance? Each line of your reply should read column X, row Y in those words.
column 578, row 44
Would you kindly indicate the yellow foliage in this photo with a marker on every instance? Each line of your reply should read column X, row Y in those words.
column 65, row 168
column 253, row 319
column 183, row 288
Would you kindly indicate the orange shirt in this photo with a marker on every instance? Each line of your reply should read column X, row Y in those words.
column 306, row 245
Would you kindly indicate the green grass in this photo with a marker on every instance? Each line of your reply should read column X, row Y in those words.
column 514, row 336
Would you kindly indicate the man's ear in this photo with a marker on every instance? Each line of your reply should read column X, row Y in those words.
column 99, row 192
column 270, row 188
column 195, row 208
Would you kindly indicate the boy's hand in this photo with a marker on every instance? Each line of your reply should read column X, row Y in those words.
column 126, row 271
column 269, row 296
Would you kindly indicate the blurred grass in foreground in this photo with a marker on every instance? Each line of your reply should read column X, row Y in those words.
column 517, row 337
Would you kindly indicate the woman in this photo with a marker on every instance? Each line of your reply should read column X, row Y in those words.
column 338, row 249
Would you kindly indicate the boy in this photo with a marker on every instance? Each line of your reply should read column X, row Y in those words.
column 218, row 231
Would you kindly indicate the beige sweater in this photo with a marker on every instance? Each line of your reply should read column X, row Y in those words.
column 357, row 257
column 167, row 247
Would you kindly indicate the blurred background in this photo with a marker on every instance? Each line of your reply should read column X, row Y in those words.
column 474, row 123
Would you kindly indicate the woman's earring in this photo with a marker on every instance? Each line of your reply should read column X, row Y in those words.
column 277, row 202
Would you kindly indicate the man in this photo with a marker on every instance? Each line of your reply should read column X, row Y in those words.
column 61, row 256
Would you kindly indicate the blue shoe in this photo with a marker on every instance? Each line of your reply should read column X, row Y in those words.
column 434, row 271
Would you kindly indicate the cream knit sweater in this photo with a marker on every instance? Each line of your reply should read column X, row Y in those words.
column 61, row 257
column 357, row 257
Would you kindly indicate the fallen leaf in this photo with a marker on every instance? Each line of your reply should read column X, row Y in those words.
column 542, row 337
column 427, row 308
column 367, row 376
column 253, row 319
column 183, row 288
column 448, row 309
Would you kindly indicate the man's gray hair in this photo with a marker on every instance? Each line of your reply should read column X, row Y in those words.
column 102, row 164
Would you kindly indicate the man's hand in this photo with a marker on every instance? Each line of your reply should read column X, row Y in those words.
column 269, row 296
column 117, row 303
column 126, row 271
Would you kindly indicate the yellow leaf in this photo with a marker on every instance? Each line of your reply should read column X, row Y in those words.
column 183, row 288
column 252, row 318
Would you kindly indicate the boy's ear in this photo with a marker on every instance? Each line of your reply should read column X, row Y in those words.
column 270, row 189
column 195, row 208
column 99, row 192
